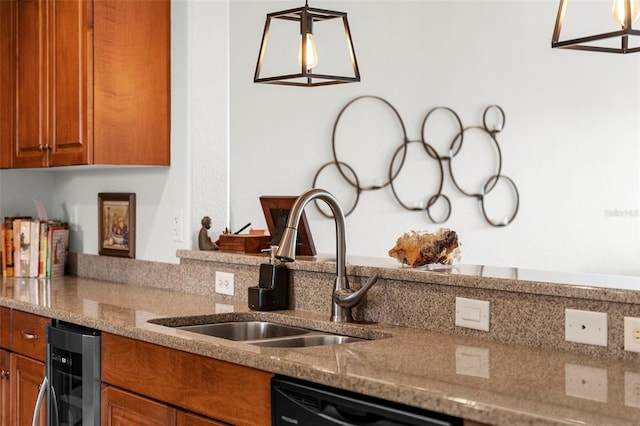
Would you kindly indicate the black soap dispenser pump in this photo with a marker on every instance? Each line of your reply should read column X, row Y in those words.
column 272, row 292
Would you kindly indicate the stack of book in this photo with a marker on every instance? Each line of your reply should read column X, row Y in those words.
column 33, row 248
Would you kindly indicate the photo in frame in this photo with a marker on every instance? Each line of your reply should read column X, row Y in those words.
column 276, row 212
column 117, row 224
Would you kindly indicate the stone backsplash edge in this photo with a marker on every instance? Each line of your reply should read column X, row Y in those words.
column 531, row 315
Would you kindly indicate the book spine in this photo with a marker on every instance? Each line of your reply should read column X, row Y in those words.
column 24, row 247
column 34, row 248
column 8, row 246
column 42, row 256
column 3, row 232
column 16, row 248
column 59, row 242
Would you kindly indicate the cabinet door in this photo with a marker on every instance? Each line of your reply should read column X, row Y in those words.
column 221, row 390
column 70, row 62
column 6, row 81
column 26, row 377
column 120, row 408
column 5, row 368
column 189, row 419
column 31, row 140
column 132, row 86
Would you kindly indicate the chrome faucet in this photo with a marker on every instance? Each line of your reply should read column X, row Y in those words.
column 343, row 298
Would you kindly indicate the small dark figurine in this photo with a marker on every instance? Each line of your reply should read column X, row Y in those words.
column 204, row 242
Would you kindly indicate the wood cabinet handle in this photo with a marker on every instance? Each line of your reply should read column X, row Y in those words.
column 29, row 336
column 4, row 374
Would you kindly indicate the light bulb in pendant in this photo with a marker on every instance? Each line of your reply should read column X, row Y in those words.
column 618, row 12
column 312, row 54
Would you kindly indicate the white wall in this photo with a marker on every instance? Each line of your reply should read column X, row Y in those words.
column 571, row 141
column 196, row 184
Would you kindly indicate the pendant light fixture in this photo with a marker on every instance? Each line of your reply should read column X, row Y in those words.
column 306, row 47
column 615, row 35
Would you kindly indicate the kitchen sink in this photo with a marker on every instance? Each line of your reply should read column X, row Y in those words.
column 245, row 330
column 309, row 340
column 259, row 331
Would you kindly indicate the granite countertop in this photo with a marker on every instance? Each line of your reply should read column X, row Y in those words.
column 463, row 376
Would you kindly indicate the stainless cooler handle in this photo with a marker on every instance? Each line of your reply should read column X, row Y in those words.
column 43, row 389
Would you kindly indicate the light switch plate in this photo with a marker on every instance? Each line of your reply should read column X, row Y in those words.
column 472, row 313
column 585, row 327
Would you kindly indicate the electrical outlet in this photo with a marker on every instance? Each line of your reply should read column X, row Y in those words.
column 585, row 327
column 632, row 334
column 472, row 313
column 224, row 283
column 176, row 226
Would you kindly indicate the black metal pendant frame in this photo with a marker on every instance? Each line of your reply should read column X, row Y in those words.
column 579, row 43
column 307, row 16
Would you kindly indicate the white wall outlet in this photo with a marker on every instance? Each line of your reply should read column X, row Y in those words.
column 585, row 327
column 632, row 334
column 585, row 382
column 224, row 283
column 177, row 233
column 472, row 313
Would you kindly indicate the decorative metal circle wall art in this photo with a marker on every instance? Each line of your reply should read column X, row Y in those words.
column 493, row 122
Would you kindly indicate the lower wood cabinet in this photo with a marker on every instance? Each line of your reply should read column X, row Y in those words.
column 21, row 366
column 127, row 409
column 164, row 378
column 5, row 368
column 25, row 378
column 5, row 328
column 123, row 408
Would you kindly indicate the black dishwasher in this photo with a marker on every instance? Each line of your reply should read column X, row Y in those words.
column 296, row 402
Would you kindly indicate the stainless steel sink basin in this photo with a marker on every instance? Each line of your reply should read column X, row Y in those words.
column 246, row 330
column 309, row 340
column 258, row 330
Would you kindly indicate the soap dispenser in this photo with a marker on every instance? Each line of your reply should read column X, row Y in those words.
column 272, row 292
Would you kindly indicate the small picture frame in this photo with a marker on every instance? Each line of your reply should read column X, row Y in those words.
column 276, row 212
column 117, row 224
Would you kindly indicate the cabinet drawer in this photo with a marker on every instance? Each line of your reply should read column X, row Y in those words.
column 5, row 328
column 221, row 390
column 28, row 334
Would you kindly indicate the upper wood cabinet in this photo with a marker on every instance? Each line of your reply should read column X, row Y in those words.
column 91, row 82
column 6, row 82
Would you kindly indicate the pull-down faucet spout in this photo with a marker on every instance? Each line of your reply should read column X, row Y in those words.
column 343, row 298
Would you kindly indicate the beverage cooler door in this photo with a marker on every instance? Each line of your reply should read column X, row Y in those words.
column 73, row 373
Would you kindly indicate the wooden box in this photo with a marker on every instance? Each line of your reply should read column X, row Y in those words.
column 243, row 243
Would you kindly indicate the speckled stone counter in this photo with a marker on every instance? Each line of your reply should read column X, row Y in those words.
column 463, row 375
